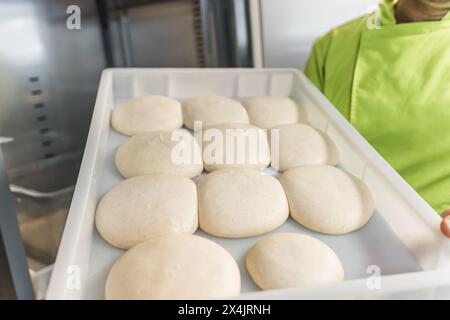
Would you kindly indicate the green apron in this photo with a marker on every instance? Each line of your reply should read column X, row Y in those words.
column 393, row 84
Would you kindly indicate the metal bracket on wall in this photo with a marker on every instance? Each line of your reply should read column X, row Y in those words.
column 39, row 194
column 15, row 280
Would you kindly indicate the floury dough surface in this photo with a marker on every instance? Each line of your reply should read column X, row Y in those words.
column 326, row 199
column 235, row 145
column 270, row 111
column 285, row 260
column 236, row 203
column 146, row 114
column 174, row 267
column 145, row 206
column 301, row 145
column 212, row 110
column 160, row 152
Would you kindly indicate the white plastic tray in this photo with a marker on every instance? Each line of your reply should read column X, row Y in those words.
column 402, row 239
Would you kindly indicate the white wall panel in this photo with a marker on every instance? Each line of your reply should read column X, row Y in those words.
column 289, row 27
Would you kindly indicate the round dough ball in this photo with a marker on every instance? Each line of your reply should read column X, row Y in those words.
column 212, row 110
column 174, row 267
column 145, row 114
column 141, row 207
column 302, row 145
column 284, row 260
column 174, row 152
column 326, row 199
column 235, row 145
column 267, row 111
column 236, row 203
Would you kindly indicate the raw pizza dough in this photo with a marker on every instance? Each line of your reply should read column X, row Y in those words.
column 146, row 114
column 141, row 207
column 212, row 110
column 301, row 145
column 174, row 152
column 268, row 111
column 235, row 145
column 284, row 260
column 326, row 199
column 174, row 267
column 236, row 203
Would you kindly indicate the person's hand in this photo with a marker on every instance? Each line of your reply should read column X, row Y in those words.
column 445, row 224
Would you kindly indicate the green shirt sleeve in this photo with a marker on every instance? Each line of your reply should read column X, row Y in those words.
column 315, row 66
